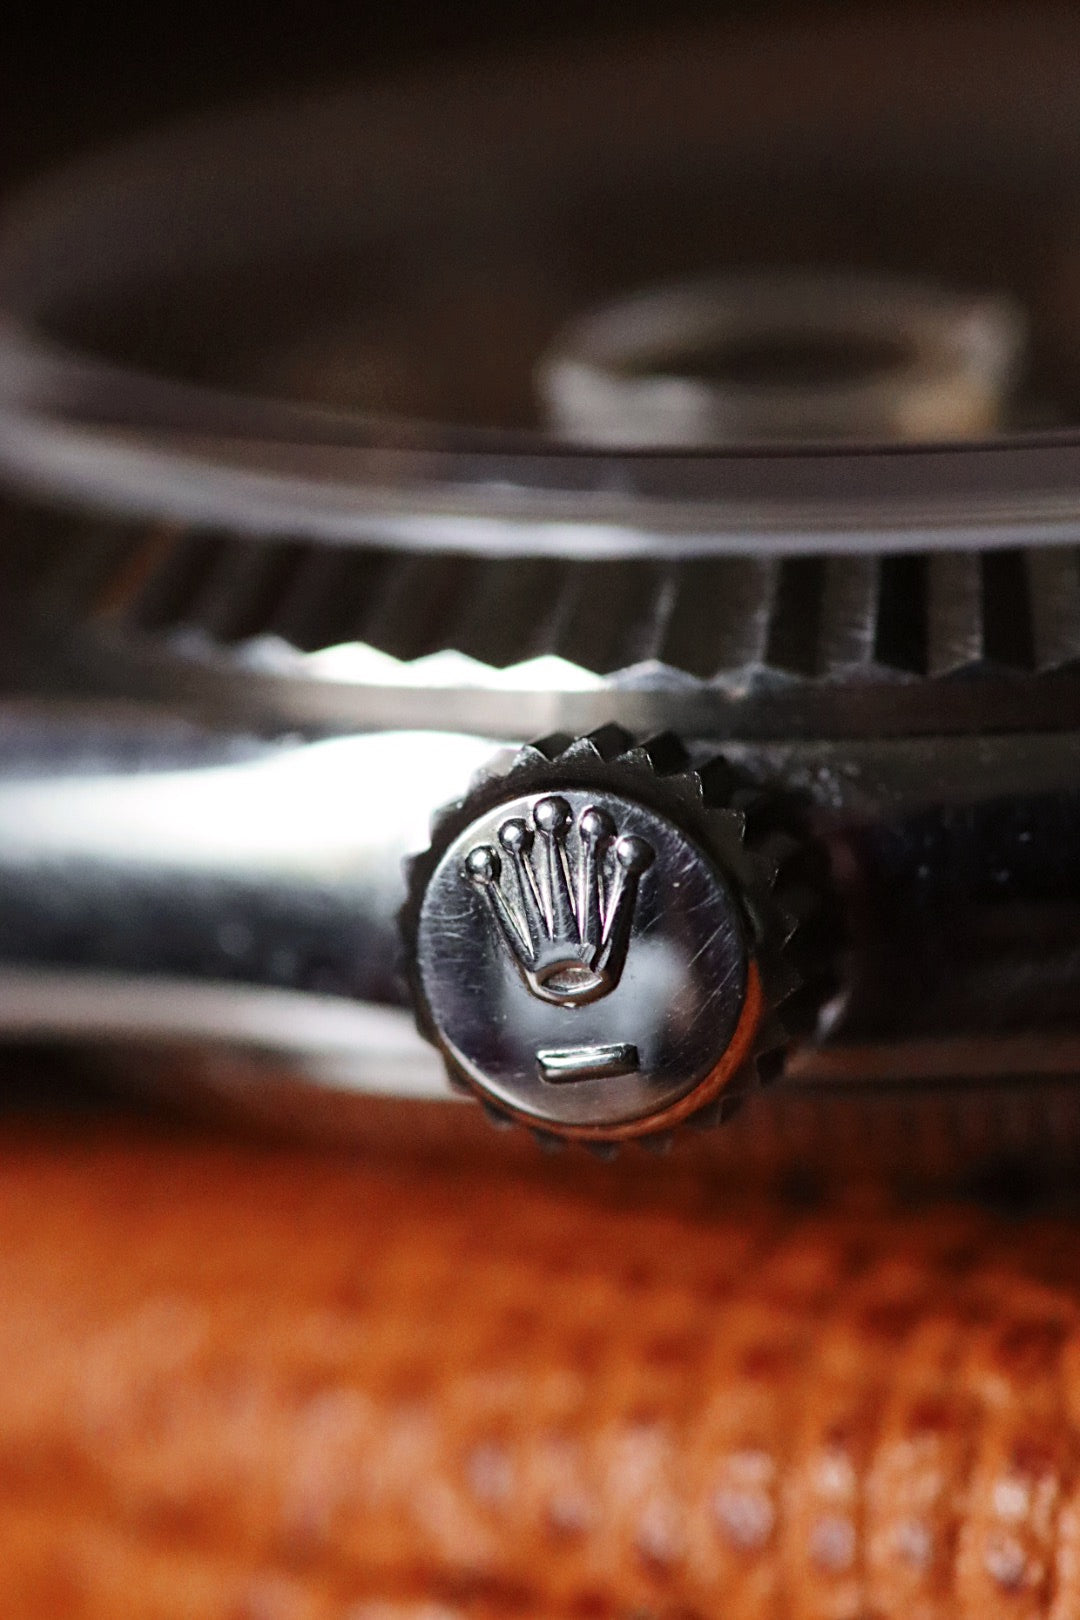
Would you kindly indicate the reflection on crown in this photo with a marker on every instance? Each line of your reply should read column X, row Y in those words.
column 563, row 912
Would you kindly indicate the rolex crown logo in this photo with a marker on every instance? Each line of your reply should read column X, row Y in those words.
column 562, row 902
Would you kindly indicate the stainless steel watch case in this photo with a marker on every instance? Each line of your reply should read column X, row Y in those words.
column 293, row 628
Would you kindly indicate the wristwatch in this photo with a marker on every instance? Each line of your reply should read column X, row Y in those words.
column 534, row 594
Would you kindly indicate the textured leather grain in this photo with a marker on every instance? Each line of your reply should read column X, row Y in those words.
column 273, row 1384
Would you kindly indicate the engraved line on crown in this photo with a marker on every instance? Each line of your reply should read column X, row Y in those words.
column 565, row 919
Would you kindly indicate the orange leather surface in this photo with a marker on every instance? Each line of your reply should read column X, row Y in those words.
column 272, row 1384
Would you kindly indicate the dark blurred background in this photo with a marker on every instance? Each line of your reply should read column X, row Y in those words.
column 73, row 74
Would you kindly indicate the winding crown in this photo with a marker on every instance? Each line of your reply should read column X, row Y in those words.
column 563, row 910
column 605, row 941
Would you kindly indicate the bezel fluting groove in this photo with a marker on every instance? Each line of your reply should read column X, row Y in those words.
column 766, row 882
column 884, row 643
